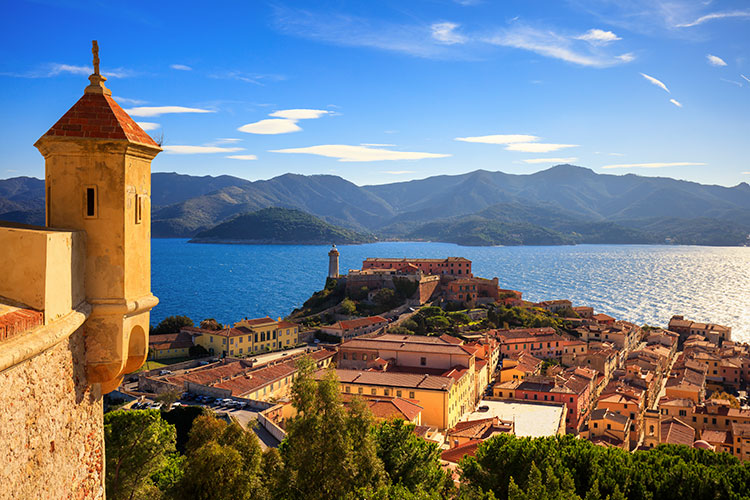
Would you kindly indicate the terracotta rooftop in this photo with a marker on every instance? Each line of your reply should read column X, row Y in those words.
column 99, row 116
column 389, row 408
column 675, row 431
column 407, row 380
column 352, row 324
column 16, row 320
column 456, row 454
column 258, row 321
column 180, row 340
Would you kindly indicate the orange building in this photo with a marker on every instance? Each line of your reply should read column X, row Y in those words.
column 455, row 266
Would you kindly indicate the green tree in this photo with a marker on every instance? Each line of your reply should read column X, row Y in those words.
column 347, row 307
column 211, row 324
column 408, row 459
column 385, row 297
column 167, row 398
column 171, row 324
column 223, row 462
column 137, row 444
column 329, row 452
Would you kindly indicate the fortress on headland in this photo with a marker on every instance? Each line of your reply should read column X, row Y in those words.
column 75, row 298
column 450, row 278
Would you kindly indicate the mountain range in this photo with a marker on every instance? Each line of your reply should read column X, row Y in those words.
column 561, row 205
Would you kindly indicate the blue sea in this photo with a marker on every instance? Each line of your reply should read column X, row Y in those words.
column 643, row 284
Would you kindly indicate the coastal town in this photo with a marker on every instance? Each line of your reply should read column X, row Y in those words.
column 426, row 341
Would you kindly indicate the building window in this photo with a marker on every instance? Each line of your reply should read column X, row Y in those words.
column 411, row 394
column 138, row 208
column 346, row 388
column 360, row 390
column 386, row 392
column 364, row 357
column 344, row 354
column 423, row 361
column 398, row 394
column 91, row 202
column 373, row 391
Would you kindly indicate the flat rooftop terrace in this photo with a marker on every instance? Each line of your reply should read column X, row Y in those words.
column 531, row 420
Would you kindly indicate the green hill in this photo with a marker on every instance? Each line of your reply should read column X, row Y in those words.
column 280, row 226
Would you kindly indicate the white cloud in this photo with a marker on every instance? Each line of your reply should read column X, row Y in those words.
column 656, row 82
column 733, row 82
column 537, row 147
column 740, row 14
column 299, row 114
column 550, row 44
column 163, row 110
column 56, row 69
column 499, row 138
column 148, row 125
column 745, row 78
column 243, row 157
column 446, row 33
column 715, row 60
column 744, row 173
column 190, row 150
column 181, row 67
column 535, row 161
column 377, row 145
column 655, row 165
column 676, row 102
column 347, row 153
column 127, row 100
column 271, row 126
column 598, row 37
column 399, row 172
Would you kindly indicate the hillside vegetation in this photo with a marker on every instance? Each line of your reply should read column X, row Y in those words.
column 280, row 225
column 561, row 205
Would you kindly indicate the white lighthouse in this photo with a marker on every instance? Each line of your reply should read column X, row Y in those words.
column 333, row 263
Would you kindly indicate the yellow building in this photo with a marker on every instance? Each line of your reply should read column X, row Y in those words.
column 248, row 337
column 170, row 345
column 74, row 299
column 444, row 399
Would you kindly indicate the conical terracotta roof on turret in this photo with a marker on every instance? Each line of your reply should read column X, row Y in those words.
column 97, row 115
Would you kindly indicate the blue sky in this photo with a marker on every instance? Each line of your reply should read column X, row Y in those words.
column 384, row 91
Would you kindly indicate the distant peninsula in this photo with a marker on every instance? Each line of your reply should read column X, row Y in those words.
column 280, row 226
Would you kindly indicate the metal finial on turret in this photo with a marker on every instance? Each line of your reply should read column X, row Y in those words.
column 96, row 79
column 95, row 51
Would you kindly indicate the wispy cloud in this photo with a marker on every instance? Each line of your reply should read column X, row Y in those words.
column 299, row 114
column 534, row 161
column 744, row 173
column 254, row 78
column 51, row 70
column 127, row 100
column 537, row 147
column 285, row 121
column 377, row 145
column 523, row 143
column 271, row 126
column 191, row 150
column 733, row 82
column 148, row 125
column 243, row 157
column 598, row 37
column 656, row 82
column 348, row 153
column 446, row 33
column 227, row 140
column 164, row 110
column 548, row 43
column 676, row 102
column 499, row 138
column 715, row 60
column 737, row 14
column 745, row 78
column 181, row 67
column 655, row 165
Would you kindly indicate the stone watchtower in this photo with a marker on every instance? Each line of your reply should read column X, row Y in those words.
column 333, row 262
column 98, row 180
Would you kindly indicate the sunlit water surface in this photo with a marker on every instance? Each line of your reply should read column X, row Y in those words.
column 643, row 284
